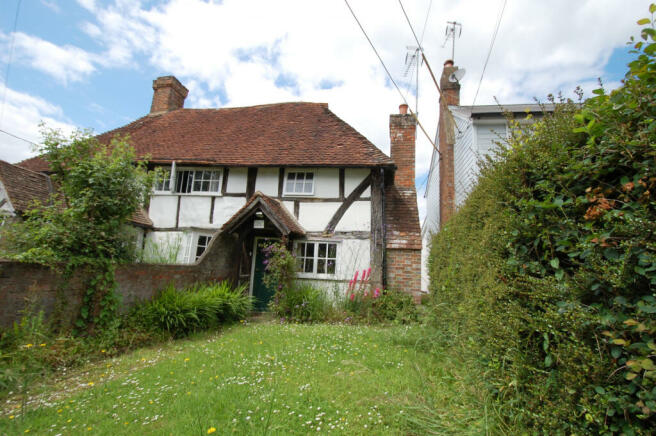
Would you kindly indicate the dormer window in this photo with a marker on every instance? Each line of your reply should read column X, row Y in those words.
column 299, row 183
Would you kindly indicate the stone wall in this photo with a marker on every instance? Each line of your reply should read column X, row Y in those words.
column 23, row 282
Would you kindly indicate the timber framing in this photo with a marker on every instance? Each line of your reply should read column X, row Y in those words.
column 330, row 227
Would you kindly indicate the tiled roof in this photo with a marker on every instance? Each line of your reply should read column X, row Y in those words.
column 284, row 134
column 272, row 208
column 402, row 218
column 140, row 218
column 24, row 186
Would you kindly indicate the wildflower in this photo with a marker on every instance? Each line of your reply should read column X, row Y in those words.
column 42, row 345
column 60, row 410
column 11, row 416
column 186, row 359
column 211, row 430
column 29, row 346
column 102, row 351
column 352, row 297
column 377, row 293
column 90, row 383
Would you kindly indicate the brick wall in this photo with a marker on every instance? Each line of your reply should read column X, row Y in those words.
column 402, row 148
column 404, row 270
column 22, row 281
column 168, row 95
column 451, row 97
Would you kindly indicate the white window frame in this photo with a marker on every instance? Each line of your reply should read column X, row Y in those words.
column 303, row 171
column 192, row 247
column 315, row 258
column 171, row 178
column 192, row 171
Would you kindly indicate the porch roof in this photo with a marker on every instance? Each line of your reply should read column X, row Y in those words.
column 272, row 209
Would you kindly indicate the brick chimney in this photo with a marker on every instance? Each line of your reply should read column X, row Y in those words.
column 168, row 95
column 446, row 137
column 402, row 143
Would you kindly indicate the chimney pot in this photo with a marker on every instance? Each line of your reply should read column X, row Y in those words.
column 168, row 95
column 403, row 109
column 448, row 63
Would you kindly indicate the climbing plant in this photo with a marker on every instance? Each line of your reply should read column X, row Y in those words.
column 84, row 226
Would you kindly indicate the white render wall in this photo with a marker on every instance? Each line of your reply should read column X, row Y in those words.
column 352, row 178
column 237, row 178
column 7, row 208
column 267, row 181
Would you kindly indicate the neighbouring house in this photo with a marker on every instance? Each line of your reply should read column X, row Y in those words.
column 466, row 134
column 293, row 172
column 21, row 189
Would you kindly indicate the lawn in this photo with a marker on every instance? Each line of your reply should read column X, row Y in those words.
column 262, row 378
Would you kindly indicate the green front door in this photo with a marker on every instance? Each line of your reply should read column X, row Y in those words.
column 261, row 292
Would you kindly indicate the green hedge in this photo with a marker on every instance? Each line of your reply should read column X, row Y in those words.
column 548, row 272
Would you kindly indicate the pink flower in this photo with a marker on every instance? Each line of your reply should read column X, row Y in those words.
column 366, row 293
column 352, row 297
column 377, row 293
column 368, row 273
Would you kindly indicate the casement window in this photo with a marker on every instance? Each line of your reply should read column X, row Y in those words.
column 201, row 245
column 316, row 257
column 189, row 181
column 299, row 183
column 196, row 246
column 163, row 181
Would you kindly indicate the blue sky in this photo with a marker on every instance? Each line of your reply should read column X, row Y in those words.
column 90, row 64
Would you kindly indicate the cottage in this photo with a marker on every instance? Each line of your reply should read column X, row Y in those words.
column 293, row 172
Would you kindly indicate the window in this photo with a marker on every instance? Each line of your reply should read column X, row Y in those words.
column 316, row 257
column 201, row 246
column 188, row 181
column 299, row 183
column 163, row 181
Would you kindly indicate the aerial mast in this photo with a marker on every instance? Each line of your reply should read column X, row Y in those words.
column 453, row 30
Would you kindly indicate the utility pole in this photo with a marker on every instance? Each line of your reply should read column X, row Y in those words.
column 453, row 29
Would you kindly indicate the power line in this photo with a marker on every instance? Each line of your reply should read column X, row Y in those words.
column 11, row 55
column 426, row 21
column 390, row 76
column 489, row 52
column 18, row 137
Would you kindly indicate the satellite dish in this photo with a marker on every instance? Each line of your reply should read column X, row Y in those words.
column 457, row 75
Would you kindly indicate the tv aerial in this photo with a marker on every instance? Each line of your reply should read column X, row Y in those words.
column 453, row 30
column 413, row 60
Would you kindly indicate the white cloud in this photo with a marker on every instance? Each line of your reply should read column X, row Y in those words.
column 21, row 116
column 241, row 53
column 64, row 63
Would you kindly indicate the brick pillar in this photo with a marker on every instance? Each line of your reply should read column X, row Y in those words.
column 168, row 95
column 402, row 145
column 450, row 97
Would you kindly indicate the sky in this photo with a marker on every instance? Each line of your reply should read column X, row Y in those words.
column 90, row 64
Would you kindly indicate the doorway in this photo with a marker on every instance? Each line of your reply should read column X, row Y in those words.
column 260, row 292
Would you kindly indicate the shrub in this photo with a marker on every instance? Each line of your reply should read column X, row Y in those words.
column 199, row 307
column 548, row 272
column 302, row 303
column 379, row 306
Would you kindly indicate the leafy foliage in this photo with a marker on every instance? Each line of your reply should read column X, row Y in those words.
column 549, row 269
column 84, row 225
column 301, row 303
column 199, row 307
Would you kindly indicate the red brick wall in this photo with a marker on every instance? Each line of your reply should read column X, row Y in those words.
column 451, row 96
column 404, row 270
column 402, row 148
column 169, row 94
column 22, row 281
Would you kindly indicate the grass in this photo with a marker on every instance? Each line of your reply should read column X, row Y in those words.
column 263, row 378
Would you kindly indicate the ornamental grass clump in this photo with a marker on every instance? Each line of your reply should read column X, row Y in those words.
column 196, row 308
